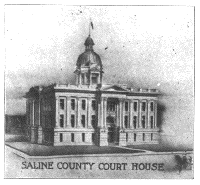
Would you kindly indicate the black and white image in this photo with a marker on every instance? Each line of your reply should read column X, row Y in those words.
column 99, row 91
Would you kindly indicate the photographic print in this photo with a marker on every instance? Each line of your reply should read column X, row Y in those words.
column 99, row 92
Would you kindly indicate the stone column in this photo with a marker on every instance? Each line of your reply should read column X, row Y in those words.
column 105, row 112
column 155, row 114
column 27, row 118
column 27, row 112
column 131, row 114
column 33, row 128
column 88, row 113
column 103, row 135
column 79, row 78
column 90, row 78
column 65, row 113
column 76, row 79
column 122, row 134
column 148, row 119
column 33, row 114
column 77, row 112
column 30, row 112
column 68, row 104
column 39, row 113
column 100, row 111
column 146, row 114
column 40, row 131
column 98, row 79
column 57, row 112
column 139, row 113
column 120, row 113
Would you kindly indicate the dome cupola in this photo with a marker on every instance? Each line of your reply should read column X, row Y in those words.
column 89, row 43
column 89, row 67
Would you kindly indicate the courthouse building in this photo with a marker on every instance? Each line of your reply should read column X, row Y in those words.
column 90, row 112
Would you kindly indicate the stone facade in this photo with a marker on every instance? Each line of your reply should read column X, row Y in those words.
column 90, row 112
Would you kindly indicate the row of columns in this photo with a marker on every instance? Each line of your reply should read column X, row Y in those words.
column 85, row 79
column 33, row 109
column 101, row 113
column 121, row 114
column 67, row 112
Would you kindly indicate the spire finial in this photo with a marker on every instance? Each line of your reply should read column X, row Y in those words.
column 90, row 25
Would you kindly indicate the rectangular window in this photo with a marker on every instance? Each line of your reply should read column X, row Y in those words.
column 94, row 78
column 143, row 106
column 151, row 136
column 83, row 120
column 61, row 120
column 62, row 104
column 126, row 121
column 135, row 106
column 134, row 121
column 126, row 106
column 83, row 104
column 83, row 137
column 111, row 106
column 72, row 120
column 152, row 122
column 151, row 106
column 73, row 104
column 126, row 137
column 61, row 137
column 93, row 104
column 93, row 121
column 143, row 136
column 143, row 121
column 135, row 136
column 72, row 137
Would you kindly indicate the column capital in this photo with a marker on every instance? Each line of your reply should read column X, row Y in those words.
column 40, row 127
column 89, row 98
column 121, row 100
column 104, row 98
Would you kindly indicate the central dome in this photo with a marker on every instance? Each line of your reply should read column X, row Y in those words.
column 89, row 57
column 89, row 69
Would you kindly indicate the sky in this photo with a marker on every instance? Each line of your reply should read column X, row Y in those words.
column 142, row 46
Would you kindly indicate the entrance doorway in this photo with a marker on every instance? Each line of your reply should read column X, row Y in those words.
column 111, row 134
column 111, row 129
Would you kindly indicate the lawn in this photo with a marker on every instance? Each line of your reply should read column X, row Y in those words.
column 42, row 150
column 163, row 147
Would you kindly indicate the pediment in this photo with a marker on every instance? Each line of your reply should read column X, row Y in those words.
column 114, row 88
